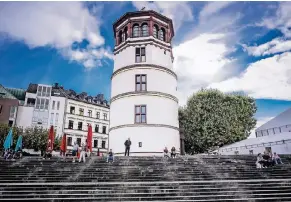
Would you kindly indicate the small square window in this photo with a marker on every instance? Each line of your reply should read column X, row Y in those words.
column 140, row 55
column 140, row 144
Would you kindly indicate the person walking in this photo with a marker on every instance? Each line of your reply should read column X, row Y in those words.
column 83, row 153
column 127, row 144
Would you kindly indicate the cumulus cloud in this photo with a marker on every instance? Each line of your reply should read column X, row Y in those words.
column 277, row 45
column 198, row 62
column 282, row 19
column 179, row 12
column 267, row 78
column 52, row 24
column 260, row 122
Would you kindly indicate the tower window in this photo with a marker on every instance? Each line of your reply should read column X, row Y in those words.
column 120, row 37
column 135, row 30
column 140, row 114
column 155, row 31
column 162, row 34
column 145, row 29
column 141, row 82
column 125, row 33
column 140, row 55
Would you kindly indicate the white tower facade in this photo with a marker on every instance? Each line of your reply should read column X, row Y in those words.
column 144, row 106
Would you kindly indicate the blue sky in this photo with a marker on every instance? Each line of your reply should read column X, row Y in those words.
column 232, row 46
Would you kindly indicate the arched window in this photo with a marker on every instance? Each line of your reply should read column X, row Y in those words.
column 162, row 34
column 125, row 33
column 135, row 30
column 144, row 29
column 155, row 31
column 120, row 37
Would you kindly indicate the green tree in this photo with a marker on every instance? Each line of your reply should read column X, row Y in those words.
column 214, row 119
column 35, row 138
column 4, row 129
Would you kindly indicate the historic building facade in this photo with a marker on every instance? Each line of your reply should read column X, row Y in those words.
column 144, row 106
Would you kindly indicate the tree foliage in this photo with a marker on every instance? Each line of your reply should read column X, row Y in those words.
column 33, row 138
column 213, row 119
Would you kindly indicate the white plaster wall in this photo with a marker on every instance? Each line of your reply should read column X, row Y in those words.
column 154, row 139
column 61, row 111
column 24, row 116
column 154, row 55
column 160, row 110
column 157, row 80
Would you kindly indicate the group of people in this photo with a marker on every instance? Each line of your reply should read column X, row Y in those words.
column 11, row 154
column 268, row 160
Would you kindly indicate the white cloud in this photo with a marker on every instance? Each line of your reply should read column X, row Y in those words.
column 281, row 21
column 260, row 122
column 179, row 12
column 213, row 8
column 198, row 63
column 53, row 24
column 267, row 78
column 277, row 45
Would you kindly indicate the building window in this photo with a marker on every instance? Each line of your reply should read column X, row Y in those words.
column 30, row 102
column 72, row 110
column 95, row 143
column 145, row 29
column 57, row 119
column 46, row 106
column 48, row 90
column 162, row 34
column 98, row 115
column 43, row 93
column 81, row 112
column 39, row 90
column 97, row 128
column 10, row 123
column 52, row 119
column 1, row 107
column 37, row 103
column 140, row 144
column 80, row 124
column 69, row 141
column 71, row 124
column 105, row 116
column 42, row 101
column 54, row 103
column 120, row 37
column 79, row 141
column 90, row 113
column 135, row 30
column 103, row 144
column 58, row 105
column 155, row 31
column 104, row 129
column 140, row 114
column 140, row 54
column 12, row 112
column 141, row 82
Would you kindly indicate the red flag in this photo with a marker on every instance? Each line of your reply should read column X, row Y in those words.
column 64, row 143
column 89, row 138
column 51, row 138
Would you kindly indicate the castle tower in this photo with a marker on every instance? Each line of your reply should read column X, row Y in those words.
column 144, row 106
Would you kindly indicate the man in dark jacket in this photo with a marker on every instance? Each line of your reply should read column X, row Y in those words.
column 127, row 146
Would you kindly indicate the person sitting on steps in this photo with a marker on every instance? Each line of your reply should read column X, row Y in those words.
column 260, row 163
column 110, row 157
column 277, row 159
column 166, row 152
column 48, row 153
column 173, row 152
column 127, row 144
column 268, row 159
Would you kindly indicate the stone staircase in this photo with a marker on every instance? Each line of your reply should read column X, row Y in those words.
column 195, row 178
